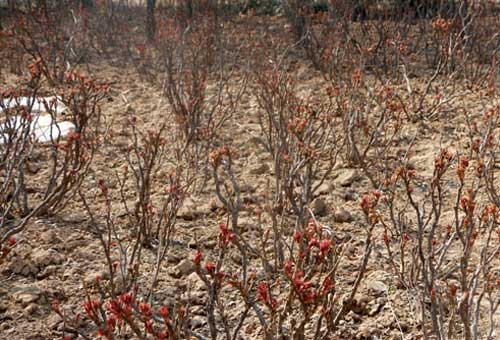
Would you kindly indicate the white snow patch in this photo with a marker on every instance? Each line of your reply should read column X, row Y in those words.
column 40, row 104
column 43, row 127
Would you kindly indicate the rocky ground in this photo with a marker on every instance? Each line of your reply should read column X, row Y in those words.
column 56, row 257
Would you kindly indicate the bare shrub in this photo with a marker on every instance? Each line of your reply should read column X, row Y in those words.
column 68, row 159
column 448, row 261
column 126, row 302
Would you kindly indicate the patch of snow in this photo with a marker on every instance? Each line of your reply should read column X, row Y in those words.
column 44, row 127
column 40, row 104
column 48, row 133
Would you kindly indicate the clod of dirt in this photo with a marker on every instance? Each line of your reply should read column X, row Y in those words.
column 359, row 305
column 23, row 266
column 342, row 216
column 185, row 267
column 320, row 207
column 53, row 321
column 27, row 295
column 43, row 258
column 33, row 168
column 377, row 288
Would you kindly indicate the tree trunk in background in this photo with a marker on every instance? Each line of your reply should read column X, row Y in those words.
column 189, row 8
column 293, row 11
column 150, row 19
column 41, row 5
column 87, row 3
column 338, row 9
column 331, row 11
column 10, row 3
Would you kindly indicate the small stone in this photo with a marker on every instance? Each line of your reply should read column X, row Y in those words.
column 346, row 177
column 17, row 265
column 195, row 282
column 27, row 295
column 53, row 321
column 33, row 168
column 359, row 305
column 187, row 210
column 29, row 269
column 237, row 258
column 342, row 216
column 185, row 267
column 319, row 207
column 377, row 288
column 43, row 258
